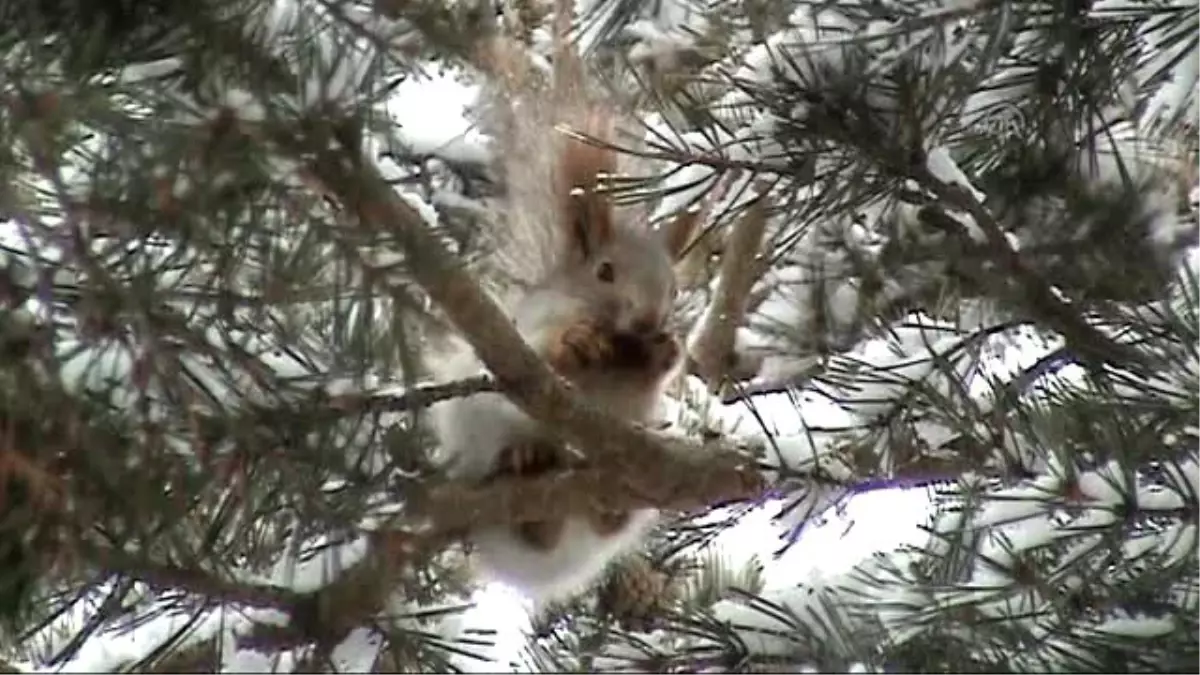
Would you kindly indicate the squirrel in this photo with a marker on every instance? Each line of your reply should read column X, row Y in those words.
column 598, row 290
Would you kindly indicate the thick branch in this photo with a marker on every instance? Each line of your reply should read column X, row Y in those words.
column 455, row 507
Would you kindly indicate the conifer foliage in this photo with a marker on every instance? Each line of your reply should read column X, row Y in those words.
column 944, row 248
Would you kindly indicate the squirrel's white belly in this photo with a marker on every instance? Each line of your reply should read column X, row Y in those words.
column 474, row 430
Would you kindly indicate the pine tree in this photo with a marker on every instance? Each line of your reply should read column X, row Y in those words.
column 947, row 248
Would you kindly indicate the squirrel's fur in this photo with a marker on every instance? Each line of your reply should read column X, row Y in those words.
column 594, row 293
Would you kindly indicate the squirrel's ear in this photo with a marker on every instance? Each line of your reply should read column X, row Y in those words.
column 678, row 232
column 589, row 220
column 585, row 210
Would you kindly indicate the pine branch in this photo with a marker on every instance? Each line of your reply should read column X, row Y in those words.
column 166, row 577
column 325, row 616
column 1037, row 295
column 359, row 592
column 322, row 617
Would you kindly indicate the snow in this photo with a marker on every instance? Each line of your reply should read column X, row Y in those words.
column 944, row 168
column 437, row 126
column 1175, row 98
column 1131, row 626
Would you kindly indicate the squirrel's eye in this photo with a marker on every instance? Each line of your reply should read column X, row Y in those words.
column 605, row 272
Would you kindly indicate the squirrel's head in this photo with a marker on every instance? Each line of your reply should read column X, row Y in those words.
column 623, row 270
column 626, row 276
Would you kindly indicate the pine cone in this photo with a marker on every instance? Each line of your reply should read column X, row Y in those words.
column 635, row 593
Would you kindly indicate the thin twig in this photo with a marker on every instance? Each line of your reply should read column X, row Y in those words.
column 713, row 347
column 414, row 399
column 165, row 577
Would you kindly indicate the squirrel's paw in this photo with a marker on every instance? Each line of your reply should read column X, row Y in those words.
column 581, row 346
column 541, row 535
column 529, row 458
column 608, row 523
